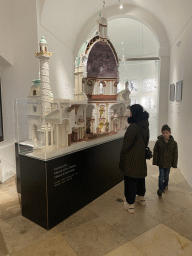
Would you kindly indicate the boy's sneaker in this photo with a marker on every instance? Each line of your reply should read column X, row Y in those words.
column 166, row 188
column 141, row 200
column 129, row 207
column 159, row 193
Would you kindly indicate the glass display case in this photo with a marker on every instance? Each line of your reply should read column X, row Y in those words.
column 62, row 132
column 56, row 166
column 29, row 129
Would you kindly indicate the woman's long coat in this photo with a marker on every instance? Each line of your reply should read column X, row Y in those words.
column 132, row 156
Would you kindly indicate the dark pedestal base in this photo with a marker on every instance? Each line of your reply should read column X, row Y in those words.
column 53, row 190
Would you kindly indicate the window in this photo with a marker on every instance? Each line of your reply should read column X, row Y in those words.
column 101, row 88
column 34, row 109
column 34, row 92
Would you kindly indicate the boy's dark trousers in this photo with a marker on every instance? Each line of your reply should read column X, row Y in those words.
column 163, row 178
column 133, row 187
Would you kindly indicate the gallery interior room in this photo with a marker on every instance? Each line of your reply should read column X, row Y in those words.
column 69, row 70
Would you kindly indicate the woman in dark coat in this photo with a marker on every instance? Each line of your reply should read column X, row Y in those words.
column 132, row 158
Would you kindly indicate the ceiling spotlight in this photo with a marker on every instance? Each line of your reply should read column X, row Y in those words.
column 120, row 5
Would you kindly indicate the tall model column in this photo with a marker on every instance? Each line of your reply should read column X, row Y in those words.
column 44, row 57
column 97, row 119
column 52, row 139
column 107, row 112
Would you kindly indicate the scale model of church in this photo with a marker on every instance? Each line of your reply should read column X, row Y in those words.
column 96, row 110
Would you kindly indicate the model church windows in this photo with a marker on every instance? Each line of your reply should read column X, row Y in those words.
column 43, row 48
column 34, row 92
column 102, row 84
column 100, row 69
column 101, row 88
column 34, row 109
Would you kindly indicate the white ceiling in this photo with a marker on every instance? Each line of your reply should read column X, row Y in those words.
column 66, row 19
column 131, row 38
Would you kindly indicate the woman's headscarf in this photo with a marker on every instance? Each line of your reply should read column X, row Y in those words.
column 138, row 113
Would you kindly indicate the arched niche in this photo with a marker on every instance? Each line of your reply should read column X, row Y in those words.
column 133, row 12
column 74, row 35
column 131, row 38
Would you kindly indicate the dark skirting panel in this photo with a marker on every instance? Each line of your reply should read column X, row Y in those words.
column 17, row 160
column 53, row 190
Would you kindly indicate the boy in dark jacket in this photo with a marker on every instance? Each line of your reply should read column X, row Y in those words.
column 165, row 155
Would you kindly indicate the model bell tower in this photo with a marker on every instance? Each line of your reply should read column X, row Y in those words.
column 102, row 26
column 43, row 55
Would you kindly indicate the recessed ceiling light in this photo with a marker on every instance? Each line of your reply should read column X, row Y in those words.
column 120, row 5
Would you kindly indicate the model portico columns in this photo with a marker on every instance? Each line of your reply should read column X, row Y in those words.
column 97, row 120
column 107, row 111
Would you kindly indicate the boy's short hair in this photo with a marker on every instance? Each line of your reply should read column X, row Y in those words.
column 165, row 127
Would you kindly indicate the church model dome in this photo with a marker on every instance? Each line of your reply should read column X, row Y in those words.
column 97, row 76
column 101, row 62
column 43, row 41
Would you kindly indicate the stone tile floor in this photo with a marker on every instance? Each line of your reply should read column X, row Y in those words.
column 104, row 228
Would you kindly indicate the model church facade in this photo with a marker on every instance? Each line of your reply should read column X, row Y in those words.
column 97, row 109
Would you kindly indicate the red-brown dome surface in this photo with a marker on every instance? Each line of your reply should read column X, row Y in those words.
column 101, row 62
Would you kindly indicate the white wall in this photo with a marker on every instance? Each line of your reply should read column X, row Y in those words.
column 5, row 34
column 179, row 115
column 15, row 80
column 163, row 91
column 160, row 71
column 61, row 65
column 139, row 71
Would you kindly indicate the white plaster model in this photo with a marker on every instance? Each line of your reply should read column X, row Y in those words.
column 96, row 74
column 96, row 109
